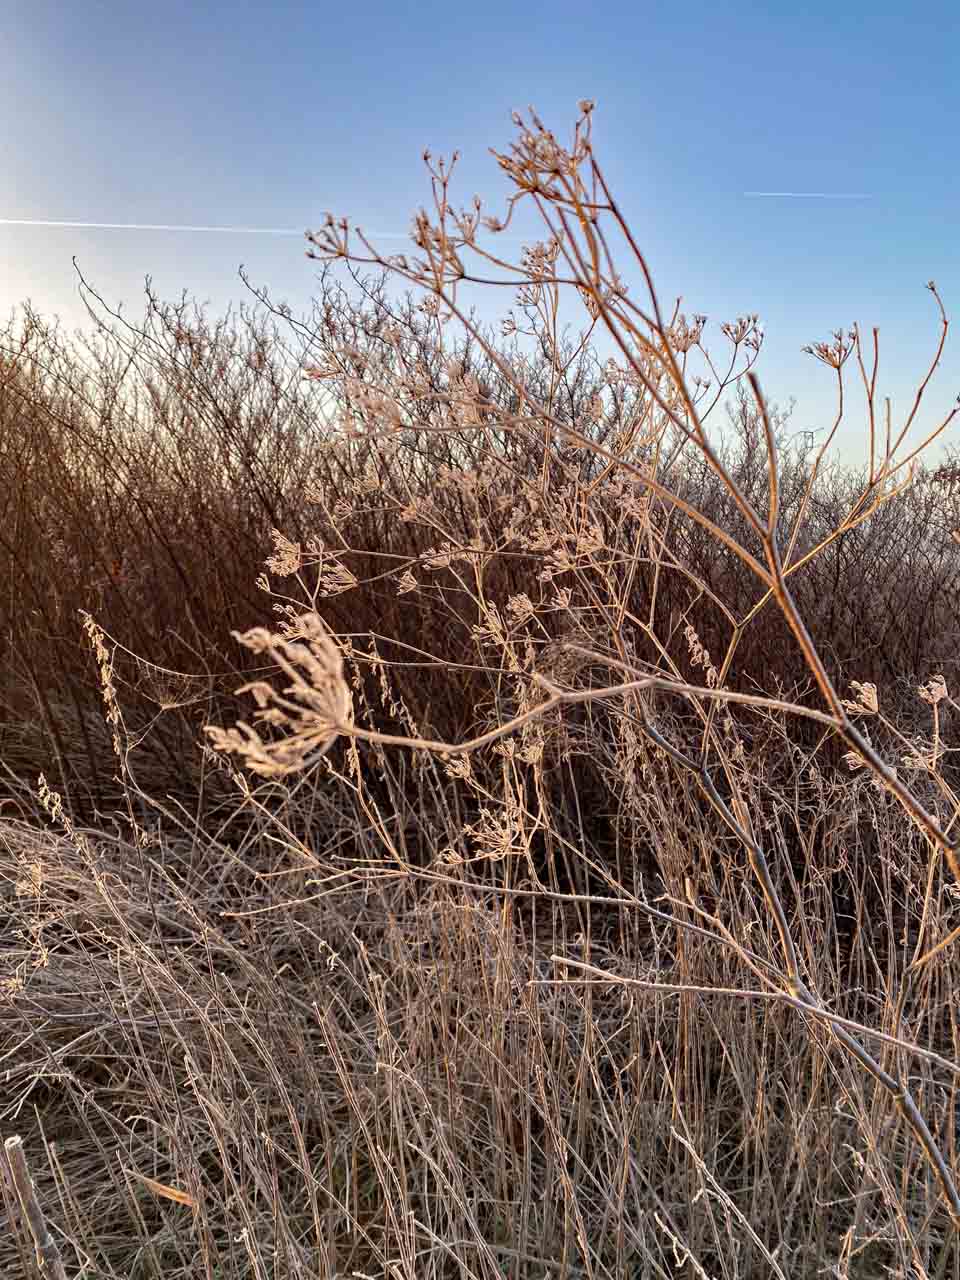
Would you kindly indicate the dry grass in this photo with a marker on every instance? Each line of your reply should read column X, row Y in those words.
column 591, row 908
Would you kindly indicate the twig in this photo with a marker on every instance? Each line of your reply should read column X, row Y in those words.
column 47, row 1254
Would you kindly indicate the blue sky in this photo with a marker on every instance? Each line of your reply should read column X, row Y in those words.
column 267, row 116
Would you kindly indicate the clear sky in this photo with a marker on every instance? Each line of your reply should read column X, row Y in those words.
column 269, row 115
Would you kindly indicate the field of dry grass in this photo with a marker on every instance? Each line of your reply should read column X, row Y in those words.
column 474, row 804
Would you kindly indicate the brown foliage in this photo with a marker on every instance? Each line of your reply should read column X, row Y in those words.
column 577, row 917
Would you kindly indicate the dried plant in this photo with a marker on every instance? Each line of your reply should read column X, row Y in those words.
column 313, row 710
column 568, row 190
column 593, row 909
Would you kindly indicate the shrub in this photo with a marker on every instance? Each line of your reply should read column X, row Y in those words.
column 591, row 904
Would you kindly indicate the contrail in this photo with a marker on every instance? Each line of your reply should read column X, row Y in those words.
column 811, row 195
column 166, row 226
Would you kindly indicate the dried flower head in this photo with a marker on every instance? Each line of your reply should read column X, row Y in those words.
column 286, row 558
column 867, row 703
column 315, row 707
column 934, row 691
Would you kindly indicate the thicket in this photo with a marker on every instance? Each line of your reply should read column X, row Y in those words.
column 579, row 897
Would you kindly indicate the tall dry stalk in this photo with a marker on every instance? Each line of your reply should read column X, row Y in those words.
column 566, row 186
